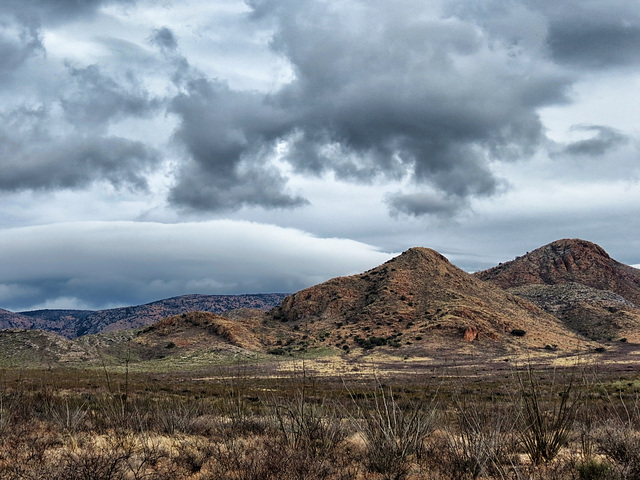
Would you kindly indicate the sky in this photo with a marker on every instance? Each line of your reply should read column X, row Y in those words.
column 150, row 149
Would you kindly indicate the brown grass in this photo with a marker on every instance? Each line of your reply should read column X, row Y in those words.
column 242, row 423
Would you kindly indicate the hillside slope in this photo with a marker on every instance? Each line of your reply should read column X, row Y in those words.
column 14, row 320
column 579, row 283
column 421, row 299
column 186, row 340
column 568, row 261
column 35, row 348
column 75, row 323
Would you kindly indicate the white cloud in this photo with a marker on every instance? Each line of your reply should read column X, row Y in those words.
column 99, row 263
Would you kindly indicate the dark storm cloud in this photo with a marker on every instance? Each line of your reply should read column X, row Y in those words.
column 575, row 33
column 418, row 204
column 593, row 34
column 164, row 38
column 385, row 90
column 227, row 134
column 54, row 11
column 596, row 45
column 74, row 163
column 605, row 139
column 96, row 99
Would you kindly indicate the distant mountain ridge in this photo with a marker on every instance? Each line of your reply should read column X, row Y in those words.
column 75, row 323
column 14, row 320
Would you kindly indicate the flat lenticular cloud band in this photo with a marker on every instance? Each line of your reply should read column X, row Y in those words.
column 105, row 263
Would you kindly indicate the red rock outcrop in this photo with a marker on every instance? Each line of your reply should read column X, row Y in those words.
column 568, row 261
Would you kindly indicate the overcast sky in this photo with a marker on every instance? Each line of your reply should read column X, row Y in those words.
column 157, row 148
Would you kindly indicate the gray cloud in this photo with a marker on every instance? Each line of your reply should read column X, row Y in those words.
column 418, row 204
column 596, row 45
column 387, row 90
column 21, row 23
column 399, row 90
column 593, row 34
column 605, row 139
column 75, row 163
column 58, row 11
column 98, row 264
column 227, row 134
column 573, row 33
column 97, row 99
column 164, row 38
column 16, row 47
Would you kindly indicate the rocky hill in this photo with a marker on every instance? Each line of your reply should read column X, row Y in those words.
column 75, row 323
column 579, row 283
column 26, row 348
column 187, row 338
column 568, row 261
column 14, row 320
column 420, row 299
column 597, row 314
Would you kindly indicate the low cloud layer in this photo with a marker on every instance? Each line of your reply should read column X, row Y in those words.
column 99, row 264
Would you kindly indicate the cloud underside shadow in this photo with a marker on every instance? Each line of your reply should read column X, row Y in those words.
column 430, row 96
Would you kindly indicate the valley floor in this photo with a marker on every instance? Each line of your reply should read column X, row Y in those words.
column 328, row 417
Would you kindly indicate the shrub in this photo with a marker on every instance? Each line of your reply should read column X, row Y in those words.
column 277, row 351
column 545, row 427
column 594, row 470
column 618, row 438
column 517, row 332
column 393, row 432
column 478, row 443
column 308, row 425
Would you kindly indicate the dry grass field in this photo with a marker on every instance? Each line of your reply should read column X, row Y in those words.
column 328, row 417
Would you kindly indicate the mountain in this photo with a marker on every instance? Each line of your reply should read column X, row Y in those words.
column 579, row 283
column 75, row 323
column 62, row 322
column 186, row 339
column 568, row 261
column 132, row 317
column 420, row 299
column 14, row 320
column 24, row 348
